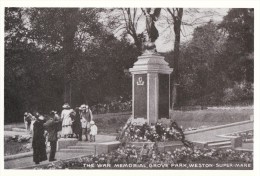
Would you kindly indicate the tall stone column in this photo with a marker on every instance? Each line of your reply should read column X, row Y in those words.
column 151, row 89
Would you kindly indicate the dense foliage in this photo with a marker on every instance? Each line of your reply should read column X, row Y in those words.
column 72, row 48
column 216, row 66
column 53, row 55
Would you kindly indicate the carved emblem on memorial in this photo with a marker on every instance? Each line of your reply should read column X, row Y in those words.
column 140, row 81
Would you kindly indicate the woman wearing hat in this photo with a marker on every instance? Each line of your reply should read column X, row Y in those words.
column 38, row 141
column 66, row 130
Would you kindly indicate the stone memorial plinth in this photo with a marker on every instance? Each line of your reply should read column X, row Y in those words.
column 150, row 89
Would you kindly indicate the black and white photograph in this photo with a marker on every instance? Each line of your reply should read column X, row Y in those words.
column 128, row 88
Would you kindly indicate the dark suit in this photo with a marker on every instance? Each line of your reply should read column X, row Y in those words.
column 52, row 128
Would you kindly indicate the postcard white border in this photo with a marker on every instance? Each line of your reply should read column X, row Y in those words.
column 135, row 3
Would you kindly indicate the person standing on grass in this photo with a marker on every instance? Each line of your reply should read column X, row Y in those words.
column 66, row 130
column 38, row 141
column 85, row 116
column 52, row 127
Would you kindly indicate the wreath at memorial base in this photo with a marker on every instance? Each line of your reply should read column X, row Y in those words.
column 132, row 132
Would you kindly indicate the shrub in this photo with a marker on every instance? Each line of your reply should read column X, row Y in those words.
column 239, row 92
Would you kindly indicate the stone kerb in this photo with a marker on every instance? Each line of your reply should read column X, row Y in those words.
column 64, row 143
column 162, row 146
column 236, row 142
column 19, row 130
column 217, row 127
column 200, row 145
column 106, row 147
column 21, row 155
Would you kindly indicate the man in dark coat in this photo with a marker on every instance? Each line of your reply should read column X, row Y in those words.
column 76, row 124
column 38, row 142
column 52, row 127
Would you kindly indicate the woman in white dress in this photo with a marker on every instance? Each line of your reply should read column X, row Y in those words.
column 66, row 121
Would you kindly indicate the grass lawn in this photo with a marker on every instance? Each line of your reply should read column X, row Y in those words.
column 9, row 127
column 210, row 117
column 109, row 123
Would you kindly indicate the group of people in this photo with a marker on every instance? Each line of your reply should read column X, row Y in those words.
column 79, row 122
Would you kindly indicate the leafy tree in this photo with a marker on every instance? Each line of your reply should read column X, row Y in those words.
column 126, row 22
column 238, row 25
column 35, row 61
column 23, row 66
column 197, row 66
column 176, row 15
column 62, row 29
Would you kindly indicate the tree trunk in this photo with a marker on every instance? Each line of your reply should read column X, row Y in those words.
column 70, row 29
column 175, row 102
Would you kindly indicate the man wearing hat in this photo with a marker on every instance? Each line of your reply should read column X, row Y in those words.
column 52, row 127
column 86, row 116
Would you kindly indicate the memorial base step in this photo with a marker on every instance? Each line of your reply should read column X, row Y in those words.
column 220, row 144
column 83, row 151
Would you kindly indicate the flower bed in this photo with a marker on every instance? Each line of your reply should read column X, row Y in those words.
column 114, row 106
column 137, row 157
column 17, row 144
column 247, row 136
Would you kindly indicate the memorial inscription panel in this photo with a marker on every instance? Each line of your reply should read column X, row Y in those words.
column 140, row 96
column 164, row 96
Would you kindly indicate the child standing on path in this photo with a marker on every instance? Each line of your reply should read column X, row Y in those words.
column 93, row 131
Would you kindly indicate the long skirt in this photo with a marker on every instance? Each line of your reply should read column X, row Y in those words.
column 66, row 126
column 66, row 130
column 39, row 153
